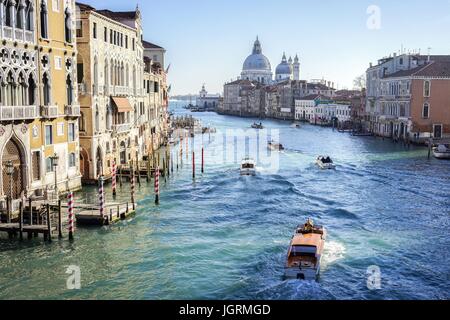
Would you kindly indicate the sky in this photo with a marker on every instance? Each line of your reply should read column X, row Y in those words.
column 207, row 41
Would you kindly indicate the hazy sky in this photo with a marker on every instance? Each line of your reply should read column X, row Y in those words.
column 207, row 41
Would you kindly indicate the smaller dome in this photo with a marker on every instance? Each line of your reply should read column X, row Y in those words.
column 284, row 68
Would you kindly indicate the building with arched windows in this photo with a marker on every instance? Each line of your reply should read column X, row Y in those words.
column 38, row 99
column 121, row 91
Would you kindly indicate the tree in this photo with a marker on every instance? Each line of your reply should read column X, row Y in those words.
column 360, row 82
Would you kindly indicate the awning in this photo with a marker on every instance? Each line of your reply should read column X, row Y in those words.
column 122, row 104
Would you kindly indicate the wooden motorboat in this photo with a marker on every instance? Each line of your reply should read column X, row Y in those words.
column 325, row 163
column 248, row 167
column 273, row 146
column 257, row 126
column 442, row 151
column 305, row 252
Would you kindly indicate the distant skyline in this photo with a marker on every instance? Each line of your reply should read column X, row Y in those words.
column 207, row 41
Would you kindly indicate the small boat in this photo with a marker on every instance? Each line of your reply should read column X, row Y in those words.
column 305, row 252
column 257, row 126
column 296, row 125
column 171, row 140
column 325, row 163
column 442, row 151
column 273, row 146
column 248, row 167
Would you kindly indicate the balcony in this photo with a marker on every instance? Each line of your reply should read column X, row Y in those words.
column 17, row 34
column 9, row 113
column 121, row 128
column 72, row 111
column 119, row 90
column 49, row 112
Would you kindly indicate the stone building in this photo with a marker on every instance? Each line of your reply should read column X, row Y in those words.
column 110, row 65
column 401, row 103
column 38, row 99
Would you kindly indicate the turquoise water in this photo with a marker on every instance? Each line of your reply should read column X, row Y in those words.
column 223, row 236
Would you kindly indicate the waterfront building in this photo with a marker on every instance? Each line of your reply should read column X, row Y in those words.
column 207, row 101
column 305, row 107
column 343, row 113
column 123, row 106
column 38, row 99
column 399, row 97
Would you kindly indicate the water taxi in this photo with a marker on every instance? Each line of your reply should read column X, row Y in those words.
column 305, row 252
column 442, row 151
column 248, row 167
column 257, row 126
column 275, row 146
column 325, row 163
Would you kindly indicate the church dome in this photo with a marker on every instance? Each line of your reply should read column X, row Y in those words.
column 284, row 68
column 257, row 61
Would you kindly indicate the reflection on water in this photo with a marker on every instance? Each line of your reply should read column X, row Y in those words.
column 223, row 236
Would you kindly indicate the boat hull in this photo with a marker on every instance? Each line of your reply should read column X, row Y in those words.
column 441, row 155
column 297, row 273
column 326, row 166
column 248, row 172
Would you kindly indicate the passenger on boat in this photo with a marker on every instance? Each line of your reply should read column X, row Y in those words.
column 309, row 226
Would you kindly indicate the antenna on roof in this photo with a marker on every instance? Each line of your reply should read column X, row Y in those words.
column 429, row 54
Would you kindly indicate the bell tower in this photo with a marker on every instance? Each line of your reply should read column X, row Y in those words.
column 296, row 67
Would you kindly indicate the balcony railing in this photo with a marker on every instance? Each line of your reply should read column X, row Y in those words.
column 17, row 34
column 72, row 111
column 121, row 128
column 18, row 113
column 119, row 90
column 49, row 112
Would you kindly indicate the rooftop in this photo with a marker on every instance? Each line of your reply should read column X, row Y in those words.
column 149, row 45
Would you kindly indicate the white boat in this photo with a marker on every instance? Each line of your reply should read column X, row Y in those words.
column 171, row 140
column 442, row 151
column 248, row 167
column 325, row 163
column 305, row 252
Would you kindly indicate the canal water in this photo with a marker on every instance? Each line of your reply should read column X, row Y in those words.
column 223, row 236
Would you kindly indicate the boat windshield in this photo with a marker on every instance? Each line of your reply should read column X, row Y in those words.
column 248, row 166
column 297, row 251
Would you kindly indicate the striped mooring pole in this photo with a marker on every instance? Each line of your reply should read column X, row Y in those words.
column 203, row 160
column 70, row 205
column 133, row 186
column 101, row 197
column 114, row 178
column 193, row 164
column 157, row 186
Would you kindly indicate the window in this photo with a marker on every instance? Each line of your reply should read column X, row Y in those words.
column 48, row 135
column 68, row 26
column 72, row 132
column 106, row 34
column 69, row 89
column 79, row 29
column 134, row 44
column 49, row 165
column 46, row 89
column 58, row 63
column 36, row 165
column 111, row 36
column 126, row 42
column 94, row 31
column 426, row 88
column 60, row 129
column 44, row 20
column 426, row 111
column 81, row 122
column 55, row 5
column 72, row 160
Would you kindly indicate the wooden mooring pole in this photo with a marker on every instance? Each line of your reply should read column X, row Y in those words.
column 203, row 160
column 60, row 233
column 193, row 165
column 21, row 221
column 49, row 224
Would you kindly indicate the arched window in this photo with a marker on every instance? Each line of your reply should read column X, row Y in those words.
column 44, row 19
column 22, row 91
column 95, row 76
column 10, row 90
column 29, row 16
column 426, row 88
column 97, row 119
column 19, row 14
column 81, row 122
column 426, row 111
column 69, row 90
column 68, row 25
column 108, row 118
column 46, row 89
column 134, row 81
column 127, row 76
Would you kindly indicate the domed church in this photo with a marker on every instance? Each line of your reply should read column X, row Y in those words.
column 257, row 67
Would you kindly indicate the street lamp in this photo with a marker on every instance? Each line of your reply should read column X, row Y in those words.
column 55, row 160
column 10, row 172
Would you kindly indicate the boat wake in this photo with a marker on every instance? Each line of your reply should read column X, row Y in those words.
column 333, row 251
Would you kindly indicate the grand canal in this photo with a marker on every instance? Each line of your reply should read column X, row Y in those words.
column 223, row 236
